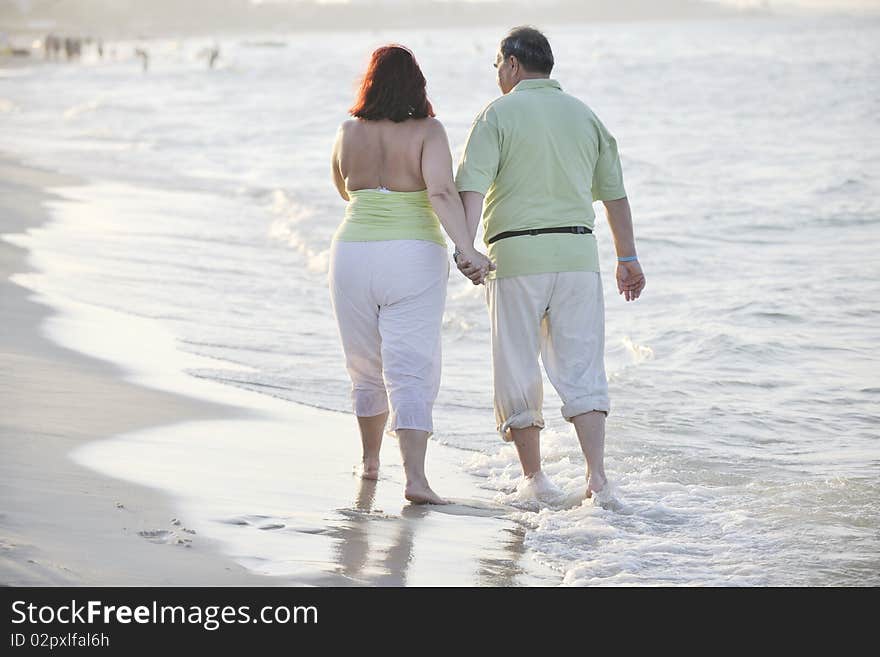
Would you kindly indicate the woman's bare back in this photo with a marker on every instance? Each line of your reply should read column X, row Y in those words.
column 375, row 154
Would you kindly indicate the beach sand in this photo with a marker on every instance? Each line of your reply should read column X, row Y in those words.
column 63, row 523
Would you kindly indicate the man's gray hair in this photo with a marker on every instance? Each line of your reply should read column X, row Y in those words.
column 530, row 47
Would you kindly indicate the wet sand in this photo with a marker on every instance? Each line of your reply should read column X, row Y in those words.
column 62, row 523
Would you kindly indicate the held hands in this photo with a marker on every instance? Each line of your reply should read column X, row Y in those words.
column 474, row 265
column 630, row 279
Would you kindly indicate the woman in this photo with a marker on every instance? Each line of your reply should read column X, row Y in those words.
column 388, row 260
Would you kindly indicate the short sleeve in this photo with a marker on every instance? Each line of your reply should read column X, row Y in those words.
column 608, row 174
column 482, row 153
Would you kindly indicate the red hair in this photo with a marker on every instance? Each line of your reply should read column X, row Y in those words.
column 393, row 87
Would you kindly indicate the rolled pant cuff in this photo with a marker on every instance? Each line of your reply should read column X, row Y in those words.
column 520, row 420
column 586, row 404
column 367, row 403
column 413, row 415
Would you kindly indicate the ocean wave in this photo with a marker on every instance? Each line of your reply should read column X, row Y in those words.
column 637, row 352
column 290, row 215
column 87, row 107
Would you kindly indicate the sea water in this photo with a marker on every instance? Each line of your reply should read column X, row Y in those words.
column 743, row 435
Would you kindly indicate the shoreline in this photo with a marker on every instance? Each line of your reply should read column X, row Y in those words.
column 241, row 17
column 55, row 400
column 121, row 471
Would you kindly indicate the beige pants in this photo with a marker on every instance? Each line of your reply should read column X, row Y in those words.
column 560, row 316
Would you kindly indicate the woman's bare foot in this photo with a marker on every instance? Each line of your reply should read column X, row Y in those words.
column 368, row 469
column 422, row 494
column 595, row 484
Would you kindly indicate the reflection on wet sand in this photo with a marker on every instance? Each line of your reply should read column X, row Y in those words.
column 505, row 572
column 381, row 567
column 375, row 548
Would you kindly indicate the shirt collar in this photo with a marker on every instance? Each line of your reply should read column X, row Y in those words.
column 537, row 83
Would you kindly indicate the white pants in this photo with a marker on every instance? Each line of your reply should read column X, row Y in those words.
column 388, row 297
column 562, row 317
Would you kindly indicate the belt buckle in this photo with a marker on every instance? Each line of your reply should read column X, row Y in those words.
column 533, row 232
column 580, row 230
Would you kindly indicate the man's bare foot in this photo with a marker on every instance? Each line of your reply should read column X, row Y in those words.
column 422, row 494
column 369, row 469
column 540, row 487
column 595, row 484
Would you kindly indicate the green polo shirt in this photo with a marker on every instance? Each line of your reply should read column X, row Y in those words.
column 540, row 157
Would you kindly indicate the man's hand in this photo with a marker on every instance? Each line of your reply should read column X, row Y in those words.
column 630, row 279
column 475, row 266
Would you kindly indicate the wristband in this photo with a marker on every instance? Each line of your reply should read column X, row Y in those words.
column 628, row 259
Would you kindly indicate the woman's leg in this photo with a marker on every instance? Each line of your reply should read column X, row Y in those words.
column 372, row 429
column 357, row 316
column 410, row 323
column 413, row 445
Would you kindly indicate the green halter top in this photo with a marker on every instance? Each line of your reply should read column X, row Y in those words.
column 378, row 214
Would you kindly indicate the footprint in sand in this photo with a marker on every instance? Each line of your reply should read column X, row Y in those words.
column 258, row 521
column 361, row 514
column 165, row 537
column 157, row 535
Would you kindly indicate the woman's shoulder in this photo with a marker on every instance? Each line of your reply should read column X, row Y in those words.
column 421, row 128
column 430, row 125
column 349, row 124
column 414, row 125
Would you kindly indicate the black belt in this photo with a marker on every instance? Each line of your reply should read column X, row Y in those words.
column 577, row 230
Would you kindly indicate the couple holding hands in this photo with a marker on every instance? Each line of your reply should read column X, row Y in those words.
column 535, row 161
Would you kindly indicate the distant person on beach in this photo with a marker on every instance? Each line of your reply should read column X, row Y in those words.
column 212, row 55
column 388, row 260
column 72, row 48
column 144, row 56
column 535, row 161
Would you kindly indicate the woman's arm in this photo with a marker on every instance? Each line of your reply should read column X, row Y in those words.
column 473, row 210
column 338, row 180
column 437, row 172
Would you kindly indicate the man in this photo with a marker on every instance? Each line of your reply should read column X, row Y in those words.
column 535, row 160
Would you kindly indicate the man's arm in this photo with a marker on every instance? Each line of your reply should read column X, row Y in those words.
column 630, row 278
column 620, row 220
